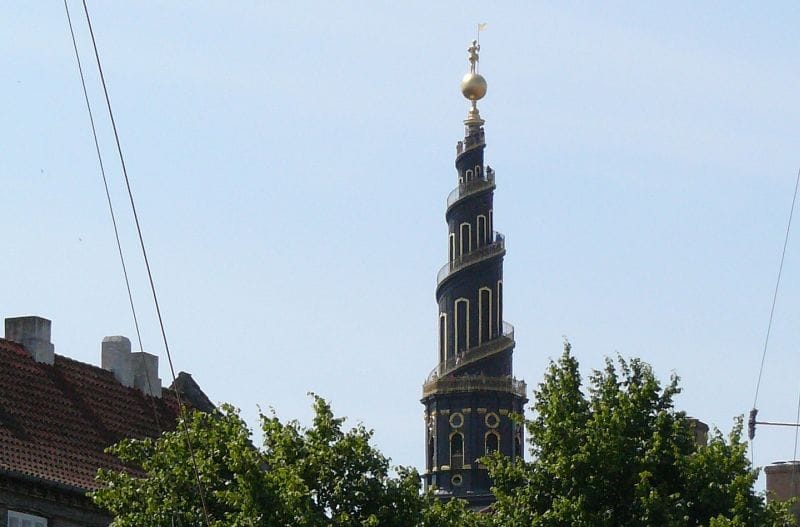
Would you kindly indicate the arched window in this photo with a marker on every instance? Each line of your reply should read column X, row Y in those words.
column 492, row 442
column 517, row 447
column 462, row 325
column 484, row 314
column 465, row 243
column 491, row 224
column 431, row 452
column 452, row 246
column 468, row 176
column 499, row 311
column 456, row 450
column 477, row 171
column 442, row 337
column 482, row 230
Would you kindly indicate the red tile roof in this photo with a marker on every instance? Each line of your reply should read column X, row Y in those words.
column 56, row 421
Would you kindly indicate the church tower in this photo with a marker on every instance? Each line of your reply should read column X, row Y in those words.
column 471, row 393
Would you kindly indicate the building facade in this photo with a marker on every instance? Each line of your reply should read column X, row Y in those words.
column 58, row 416
column 471, row 394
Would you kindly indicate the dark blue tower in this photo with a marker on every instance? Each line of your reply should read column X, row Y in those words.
column 471, row 393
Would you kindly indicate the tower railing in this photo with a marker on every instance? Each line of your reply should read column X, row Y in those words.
column 470, row 383
column 481, row 253
column 481, row 351
column 473, row 186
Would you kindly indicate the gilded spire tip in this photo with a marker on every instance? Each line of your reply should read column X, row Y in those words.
column 473, row 85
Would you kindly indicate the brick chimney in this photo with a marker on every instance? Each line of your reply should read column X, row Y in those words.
column 34, row 335
column 700, row 431
column 135, row 370
column 783, row 483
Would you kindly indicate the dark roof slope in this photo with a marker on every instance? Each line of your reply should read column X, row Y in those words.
column 56, row 421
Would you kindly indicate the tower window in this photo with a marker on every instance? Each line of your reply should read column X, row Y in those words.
column 462, row 325
column 499, row 311
column 482, row 237
column 477, row 171
column 468, row 176
column 452, row 246
column 457, row 420
column 484, row 314
column 517, row 447
column 465, row 243
column 431, row 452
column 442, row 337
column 456, row 450
column 492, row 442
column 492, row 420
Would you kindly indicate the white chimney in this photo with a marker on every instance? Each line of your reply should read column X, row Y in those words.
column 115, row 356
column 34, row 335
column 135, row 370
column 145, row 373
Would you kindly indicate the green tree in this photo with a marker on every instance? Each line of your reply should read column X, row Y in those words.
column 307, row 477
column 617, row 453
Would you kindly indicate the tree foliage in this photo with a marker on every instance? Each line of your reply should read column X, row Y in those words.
column 307, row 477
column 612, row 453
column 617, row 453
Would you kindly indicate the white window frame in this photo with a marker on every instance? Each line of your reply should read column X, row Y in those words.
column 486, row 441
column 482, row 235
column 463, row 449
column 481, row 308
column 442, row 337
column 462, row 252
column 499, row 312
column 458, row 322
column 25, row 520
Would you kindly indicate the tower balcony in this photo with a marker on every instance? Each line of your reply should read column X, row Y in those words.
column 498, row 246
column 486, row 349
column 469, row 188
column 476, row 383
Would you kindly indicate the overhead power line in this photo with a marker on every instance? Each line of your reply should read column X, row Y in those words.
column 752, row 422
column 110, row 204
column 181, row 406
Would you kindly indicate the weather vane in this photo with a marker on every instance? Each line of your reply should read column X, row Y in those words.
column 474, row 49
column 473, row 56
column 473, row 85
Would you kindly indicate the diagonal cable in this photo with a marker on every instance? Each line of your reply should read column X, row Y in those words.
column 110, row 205
column 775, row 293
column 182, row 408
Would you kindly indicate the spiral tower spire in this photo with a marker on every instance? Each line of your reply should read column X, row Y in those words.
column 471, row 393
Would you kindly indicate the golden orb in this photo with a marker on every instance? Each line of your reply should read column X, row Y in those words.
column 473, row 86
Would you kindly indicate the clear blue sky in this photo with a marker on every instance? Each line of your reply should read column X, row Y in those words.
column 291, row 164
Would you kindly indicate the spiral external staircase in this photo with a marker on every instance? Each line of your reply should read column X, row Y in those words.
column 457, row 372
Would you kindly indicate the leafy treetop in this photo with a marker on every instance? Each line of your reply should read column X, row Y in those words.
column 616, row 453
